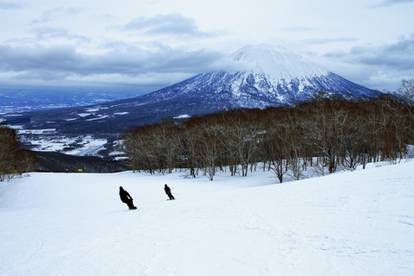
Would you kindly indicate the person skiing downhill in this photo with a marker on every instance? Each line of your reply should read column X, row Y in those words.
column 126, row 198
column 168, row 192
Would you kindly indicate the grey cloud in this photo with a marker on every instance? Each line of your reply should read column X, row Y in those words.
column 66, row 61
column 396, row 56
column 387, row 3
column 378, row 66
column 6, row 5
column 166, row 24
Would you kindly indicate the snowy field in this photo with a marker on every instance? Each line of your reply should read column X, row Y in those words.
column 81, row 145
column 350, row 223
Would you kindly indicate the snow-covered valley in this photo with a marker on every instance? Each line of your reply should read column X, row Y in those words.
column 348, row 223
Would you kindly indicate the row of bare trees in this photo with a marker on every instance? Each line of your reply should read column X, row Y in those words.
column 324, row 135
column 13, row 159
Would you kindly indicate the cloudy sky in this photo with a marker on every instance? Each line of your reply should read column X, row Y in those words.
column 151, row 43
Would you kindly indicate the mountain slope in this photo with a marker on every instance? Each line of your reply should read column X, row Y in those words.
column 258, row 77
column 255, row 77
column 350, row 223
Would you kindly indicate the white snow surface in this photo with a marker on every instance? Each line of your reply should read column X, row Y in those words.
column 182, row 116
column 120, row 113
column 89, row 146
column 85, row 144
column 275, row 61
column 84, row 114
column 37, row 131
column 349, row 223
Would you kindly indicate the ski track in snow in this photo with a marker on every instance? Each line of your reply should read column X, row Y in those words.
column 349, row 223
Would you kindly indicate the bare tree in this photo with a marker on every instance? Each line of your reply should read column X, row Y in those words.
column 407, row 90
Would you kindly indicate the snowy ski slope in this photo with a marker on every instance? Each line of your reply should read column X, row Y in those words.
column 349, row 223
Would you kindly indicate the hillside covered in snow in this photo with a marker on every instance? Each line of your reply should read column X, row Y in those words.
column 348, row 223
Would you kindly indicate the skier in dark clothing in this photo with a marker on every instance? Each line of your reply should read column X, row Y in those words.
column 126, row 198
column 168, row 192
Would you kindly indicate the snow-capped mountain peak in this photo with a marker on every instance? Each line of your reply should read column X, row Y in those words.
column 277, row 62
column 261, row 77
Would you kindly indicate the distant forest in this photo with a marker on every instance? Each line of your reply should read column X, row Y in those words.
column 14, row 160
column 323, row 134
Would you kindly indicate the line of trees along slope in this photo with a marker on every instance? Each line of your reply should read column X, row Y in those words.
column 322, row 134
column 13, row 159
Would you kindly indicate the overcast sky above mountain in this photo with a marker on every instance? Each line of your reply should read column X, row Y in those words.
column 158, row 42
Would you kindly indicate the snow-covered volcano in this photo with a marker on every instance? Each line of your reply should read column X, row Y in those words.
column 261, row 76
column 255, row 77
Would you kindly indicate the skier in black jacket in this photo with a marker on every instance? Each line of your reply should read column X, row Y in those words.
column 126, row 198
column 168, row 192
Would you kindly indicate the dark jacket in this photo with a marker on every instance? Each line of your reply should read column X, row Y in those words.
column 167, row 189
column 124, row 195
